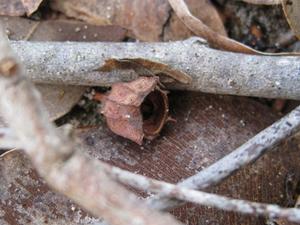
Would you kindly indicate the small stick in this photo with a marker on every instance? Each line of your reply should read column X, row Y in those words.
column 239, row 158
column 212, row 71
column 224, row 203
column 55, row 156
column 141, row 182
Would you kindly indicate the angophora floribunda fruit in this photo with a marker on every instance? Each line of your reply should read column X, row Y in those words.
column 137, row 109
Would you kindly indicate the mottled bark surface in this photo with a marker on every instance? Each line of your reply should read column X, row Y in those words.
column 212, row 71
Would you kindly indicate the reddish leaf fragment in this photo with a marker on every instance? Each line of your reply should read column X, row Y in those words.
column 136, row 109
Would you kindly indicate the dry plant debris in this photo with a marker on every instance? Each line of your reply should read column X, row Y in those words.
column 202, row 149
column 291, row 9
column 58, row 159
column 199, row 67
column 136, row 110
column 147, row 20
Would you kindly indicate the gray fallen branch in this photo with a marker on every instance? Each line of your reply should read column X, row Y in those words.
column 212, row 71
column 54, row 155
column 237, row 159
column 224, row 203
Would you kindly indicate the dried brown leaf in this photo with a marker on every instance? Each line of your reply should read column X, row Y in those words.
column 148, row 20
column 208, row 127
column 59, row 30
column 202, row 30
column 18, row 7
column 136, row 109
column 213, row 38
column 291, row 10
column 203, row 10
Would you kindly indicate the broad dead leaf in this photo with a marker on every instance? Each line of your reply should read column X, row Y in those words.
column 291, row 10
column 59, row 30
column 18, row 7
column 59, row 99
column 208, row 127
column 26, row 199
column 148, row 20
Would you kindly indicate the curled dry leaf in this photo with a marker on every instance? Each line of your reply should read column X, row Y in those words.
column 291, row 10
column 18, row 7
column 202, row 30
column 202, row 9
column 148, row 20
column 215, row 39
column 136, row 109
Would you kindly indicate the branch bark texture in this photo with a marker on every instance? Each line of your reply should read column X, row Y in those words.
column 212, row 71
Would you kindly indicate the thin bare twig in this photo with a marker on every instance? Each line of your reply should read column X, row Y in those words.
column 239, row 158
column 212, row 71
column 173, row 191
column 176, row 192
column 56, row 158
